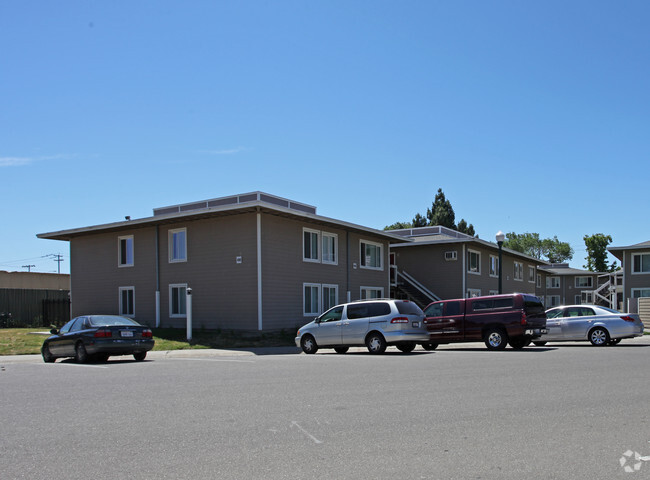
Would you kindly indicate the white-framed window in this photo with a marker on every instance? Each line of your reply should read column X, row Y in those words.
column 368, row 293
column 531, row 274
column 584, row 282
column 641, row 263
column 474, row 262
column 371, row 255
column 127, row 301
column 473, row 292
column 311, row 299
column 330, row 248
column 640, row 292
column 125, row 251
column 539, row 280
column 552, row 301
column 178, row 245
column 451, row 255
column 494, row 266
column 493, row 292
column 519, row 271
column 330, row 296
column 178, row 300
column 310, row 245
column 578, row 299
column 552, row 282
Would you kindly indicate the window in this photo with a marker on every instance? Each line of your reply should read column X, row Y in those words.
column 451, row 255
column 553, row 282
column 584, row 282
column 311, row 299
column 578, row 299
column 127, row 301
column 178, row 245
column 531, row 274
column 125, row 251
column 177, row 300
column 330, row 248
column 539, row 280
column 640, row 292
column 519, row 271
column 371, row 255
column 473, row 292
column 330, row 296
column 641, row 263
column 494, row 266
column 371, row 292
column 310, row 245
column 474, row 262
column 493, row 292
column 552, row 301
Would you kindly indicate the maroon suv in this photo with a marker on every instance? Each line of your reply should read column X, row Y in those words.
column 497, row 320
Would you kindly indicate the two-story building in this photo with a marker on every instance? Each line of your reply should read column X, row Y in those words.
column 635, row 263
column 252, row 261
column 569, row 286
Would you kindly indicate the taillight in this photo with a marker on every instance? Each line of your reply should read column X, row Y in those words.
column 147, row 333
column 627, row 318
column 523, row 318
column 103, row 334
column 400, row 320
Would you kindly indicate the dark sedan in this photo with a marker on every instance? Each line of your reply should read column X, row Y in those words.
column 98, row 337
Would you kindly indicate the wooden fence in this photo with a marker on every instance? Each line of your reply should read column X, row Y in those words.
column 20, row 308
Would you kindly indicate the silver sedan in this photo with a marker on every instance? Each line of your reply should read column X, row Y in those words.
column 599, row 325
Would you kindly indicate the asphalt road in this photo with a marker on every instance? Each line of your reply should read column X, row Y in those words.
column 564, row 412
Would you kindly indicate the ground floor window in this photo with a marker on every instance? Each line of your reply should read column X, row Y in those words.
column 473, row 292
column 330, row 296
column 552, row 301
column 578, row 299
column 177, row 300
column 368, row 293
column 127, row 301
column 640, row 292
column 318, row 298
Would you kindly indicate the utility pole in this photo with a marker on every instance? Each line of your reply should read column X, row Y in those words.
column 58, row 258
column 28, row 267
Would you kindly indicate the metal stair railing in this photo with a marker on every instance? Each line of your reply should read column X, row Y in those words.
column 418, row 286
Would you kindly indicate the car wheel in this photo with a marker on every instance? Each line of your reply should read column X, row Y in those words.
column 308, row 344
column 47, row 355
column 140, row 356
column 376, row 343
column 341, row 349
column 80, row 353
column 519, row 343
column 599, row 337
column 539, row 344
column 614, row 341
column 406, row 347
column 496, row 339
column 430, row 346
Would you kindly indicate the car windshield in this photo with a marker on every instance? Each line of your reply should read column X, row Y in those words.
column 109, row 320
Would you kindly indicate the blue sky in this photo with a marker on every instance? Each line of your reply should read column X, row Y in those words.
column 531, row 116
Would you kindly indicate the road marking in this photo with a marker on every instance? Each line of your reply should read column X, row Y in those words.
column 212, row 360
column 315, row 440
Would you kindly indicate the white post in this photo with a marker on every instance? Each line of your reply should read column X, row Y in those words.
column 188, row 310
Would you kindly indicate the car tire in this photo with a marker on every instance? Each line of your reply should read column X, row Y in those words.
column 539, row 344
column 47, row 355
column 406, row 347
column 598, row 336
column 140, row 356
column 519, row 343
column 376, row 343
column 308, row 344
column 341, row 349
column 429, row 346
column 495, row 339
column 80, row 353
column 614, row 341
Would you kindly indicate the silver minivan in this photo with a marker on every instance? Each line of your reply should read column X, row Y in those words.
column 374, row 323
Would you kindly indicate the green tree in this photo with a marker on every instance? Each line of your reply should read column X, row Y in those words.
column 597, row 253
column 441, row 212
column 550, row 249
column 398, row 226
column 419, row 221
column 463, row 227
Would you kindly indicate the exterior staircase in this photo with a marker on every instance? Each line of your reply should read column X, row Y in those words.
column 405, row 287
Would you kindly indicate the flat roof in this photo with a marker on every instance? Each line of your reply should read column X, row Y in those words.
column 224, row 206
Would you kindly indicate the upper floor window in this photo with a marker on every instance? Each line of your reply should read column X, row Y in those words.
column 641, row 263
column 519, row 271
column 494, row 266
column 539, row 280
column 178, row 245
column 552, row 282
column 531, row 274
column 310, row 245
column 371, row 255
column 319, row 246
column 330, row 248
column 584, row 282
column 125, row 251
column 474, row 262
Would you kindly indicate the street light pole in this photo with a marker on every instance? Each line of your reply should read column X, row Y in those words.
column 500, row 238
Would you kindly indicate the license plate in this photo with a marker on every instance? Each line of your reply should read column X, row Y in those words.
column 416, row 324
column 126, row 333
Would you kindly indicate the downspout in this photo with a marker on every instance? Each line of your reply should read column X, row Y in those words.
column 157, row 278
column 259, row 270
column 464, row 274
column 347, row 262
